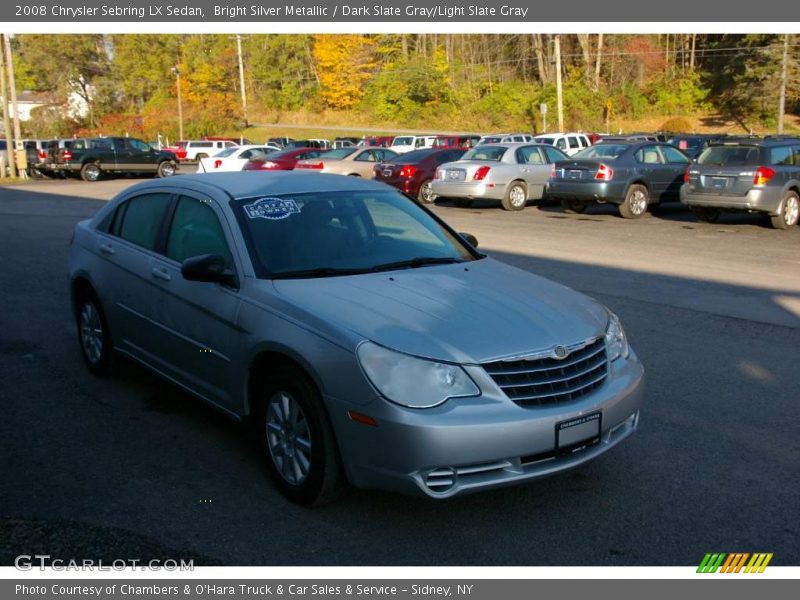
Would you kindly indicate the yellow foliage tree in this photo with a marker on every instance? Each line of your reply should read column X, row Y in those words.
column 344, row 63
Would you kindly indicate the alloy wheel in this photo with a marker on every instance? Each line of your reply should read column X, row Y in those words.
column 288, row 438
column 91, row 332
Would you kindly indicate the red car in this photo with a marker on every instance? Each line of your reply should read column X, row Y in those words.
column 456, row 141
column 282, row 160
column 179, row 149
column 412, row 173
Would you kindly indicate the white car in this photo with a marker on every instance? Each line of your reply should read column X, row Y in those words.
column 505, row 138
column 568, row 143
column 200, row 149
column 406, row 143
column 233, row 158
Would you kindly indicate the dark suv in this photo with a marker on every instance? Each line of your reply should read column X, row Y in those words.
column 755, row 175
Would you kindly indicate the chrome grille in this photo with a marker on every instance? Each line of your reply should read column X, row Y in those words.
column 548, row 380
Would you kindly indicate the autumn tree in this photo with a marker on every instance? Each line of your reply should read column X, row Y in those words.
column 344, row 64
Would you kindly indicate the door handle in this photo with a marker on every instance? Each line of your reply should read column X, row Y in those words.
column 161, row 274
column 106, row 249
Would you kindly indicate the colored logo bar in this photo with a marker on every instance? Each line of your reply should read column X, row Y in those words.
column 735, row 563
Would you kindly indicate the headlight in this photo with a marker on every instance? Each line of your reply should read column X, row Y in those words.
column 413, row 382
column 616, row 342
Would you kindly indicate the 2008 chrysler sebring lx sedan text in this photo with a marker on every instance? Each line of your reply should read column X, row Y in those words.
column 365, row 340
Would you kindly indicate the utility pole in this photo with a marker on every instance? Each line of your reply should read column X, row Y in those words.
column 784, row 80
column 11, row 145
column 559, row 91
column 6, row 122
column 177, row 72
column 241, row 78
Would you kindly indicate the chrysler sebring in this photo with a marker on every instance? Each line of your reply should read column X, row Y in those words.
column 364, row 339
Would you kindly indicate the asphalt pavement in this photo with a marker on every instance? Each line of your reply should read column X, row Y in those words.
column 130, row 467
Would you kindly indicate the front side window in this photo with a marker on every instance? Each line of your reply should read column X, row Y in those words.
column 326, row 234
column 554, row 155
column 674, row 156
column 139, row 219
column 139, row 146
column 195, row 230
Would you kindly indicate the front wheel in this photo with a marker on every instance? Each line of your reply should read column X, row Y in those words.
column 91, row 172
column 635, row 203
column 788, row 212
column 93, row 334
column 425, row 194
column 297, row 438
column 165, row 169
column 516, row 196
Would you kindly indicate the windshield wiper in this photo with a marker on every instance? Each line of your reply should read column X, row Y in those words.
column 420, row 261
column 319, row 272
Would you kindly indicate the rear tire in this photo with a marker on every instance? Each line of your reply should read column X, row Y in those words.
column 91, row 172
column 635, row 203
column 165, row 169
column 788, row 212
column 425, row 194
column 706, row 214
column 516, row 196
column 573, row 206
column 297, row 438
column 94, row 336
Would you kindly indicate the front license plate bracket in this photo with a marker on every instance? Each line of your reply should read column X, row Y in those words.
column 573, row 435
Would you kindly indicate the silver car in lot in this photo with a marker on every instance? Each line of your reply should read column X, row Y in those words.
column 512, row 173
column 364, row 339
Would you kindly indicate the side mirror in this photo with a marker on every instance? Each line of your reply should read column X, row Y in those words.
column 209, row 268
column 470, row 239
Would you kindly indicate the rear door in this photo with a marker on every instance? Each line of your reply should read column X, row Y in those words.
column 534, row 169
column 127, row 248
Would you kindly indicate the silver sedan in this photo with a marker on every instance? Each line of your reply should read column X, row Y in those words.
column 510, row 173
column 364, row 340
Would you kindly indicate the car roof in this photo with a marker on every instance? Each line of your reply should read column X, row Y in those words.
column 250, row 184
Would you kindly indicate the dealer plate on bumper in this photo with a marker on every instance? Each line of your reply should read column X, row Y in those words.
column 575, row 434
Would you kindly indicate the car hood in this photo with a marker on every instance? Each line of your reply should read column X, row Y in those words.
column 465, row 313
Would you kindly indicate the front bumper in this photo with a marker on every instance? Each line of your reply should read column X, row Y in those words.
column 468, row 189
column 472, row 444
column 763, row 199
column 604, row 191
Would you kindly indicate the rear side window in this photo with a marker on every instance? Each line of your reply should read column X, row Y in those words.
column 730, row 156
column 195, row 231
column 529, row 155
column 141, row 220
column 781, row 156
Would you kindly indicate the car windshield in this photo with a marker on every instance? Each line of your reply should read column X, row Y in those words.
column 601, row 151
column 485, row 153
column 226, row 152
column 325, row 234
column 339, row 153
column 724, row 156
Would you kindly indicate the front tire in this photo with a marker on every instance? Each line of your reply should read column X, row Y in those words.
column 91, row 172
column 635, row 203
column 516, row 196
column 788, row 212
column 297, row 438
column 93, row 333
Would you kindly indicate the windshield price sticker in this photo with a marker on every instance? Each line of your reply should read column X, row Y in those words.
column 273, row 209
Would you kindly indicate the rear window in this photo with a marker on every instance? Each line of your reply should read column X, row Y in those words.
column 226, row 152
column 491, row 140
column 339, row 153
column 413, row 157
column 781, row 156
column 602, row 151
column 724, row 156
column 485, row 153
